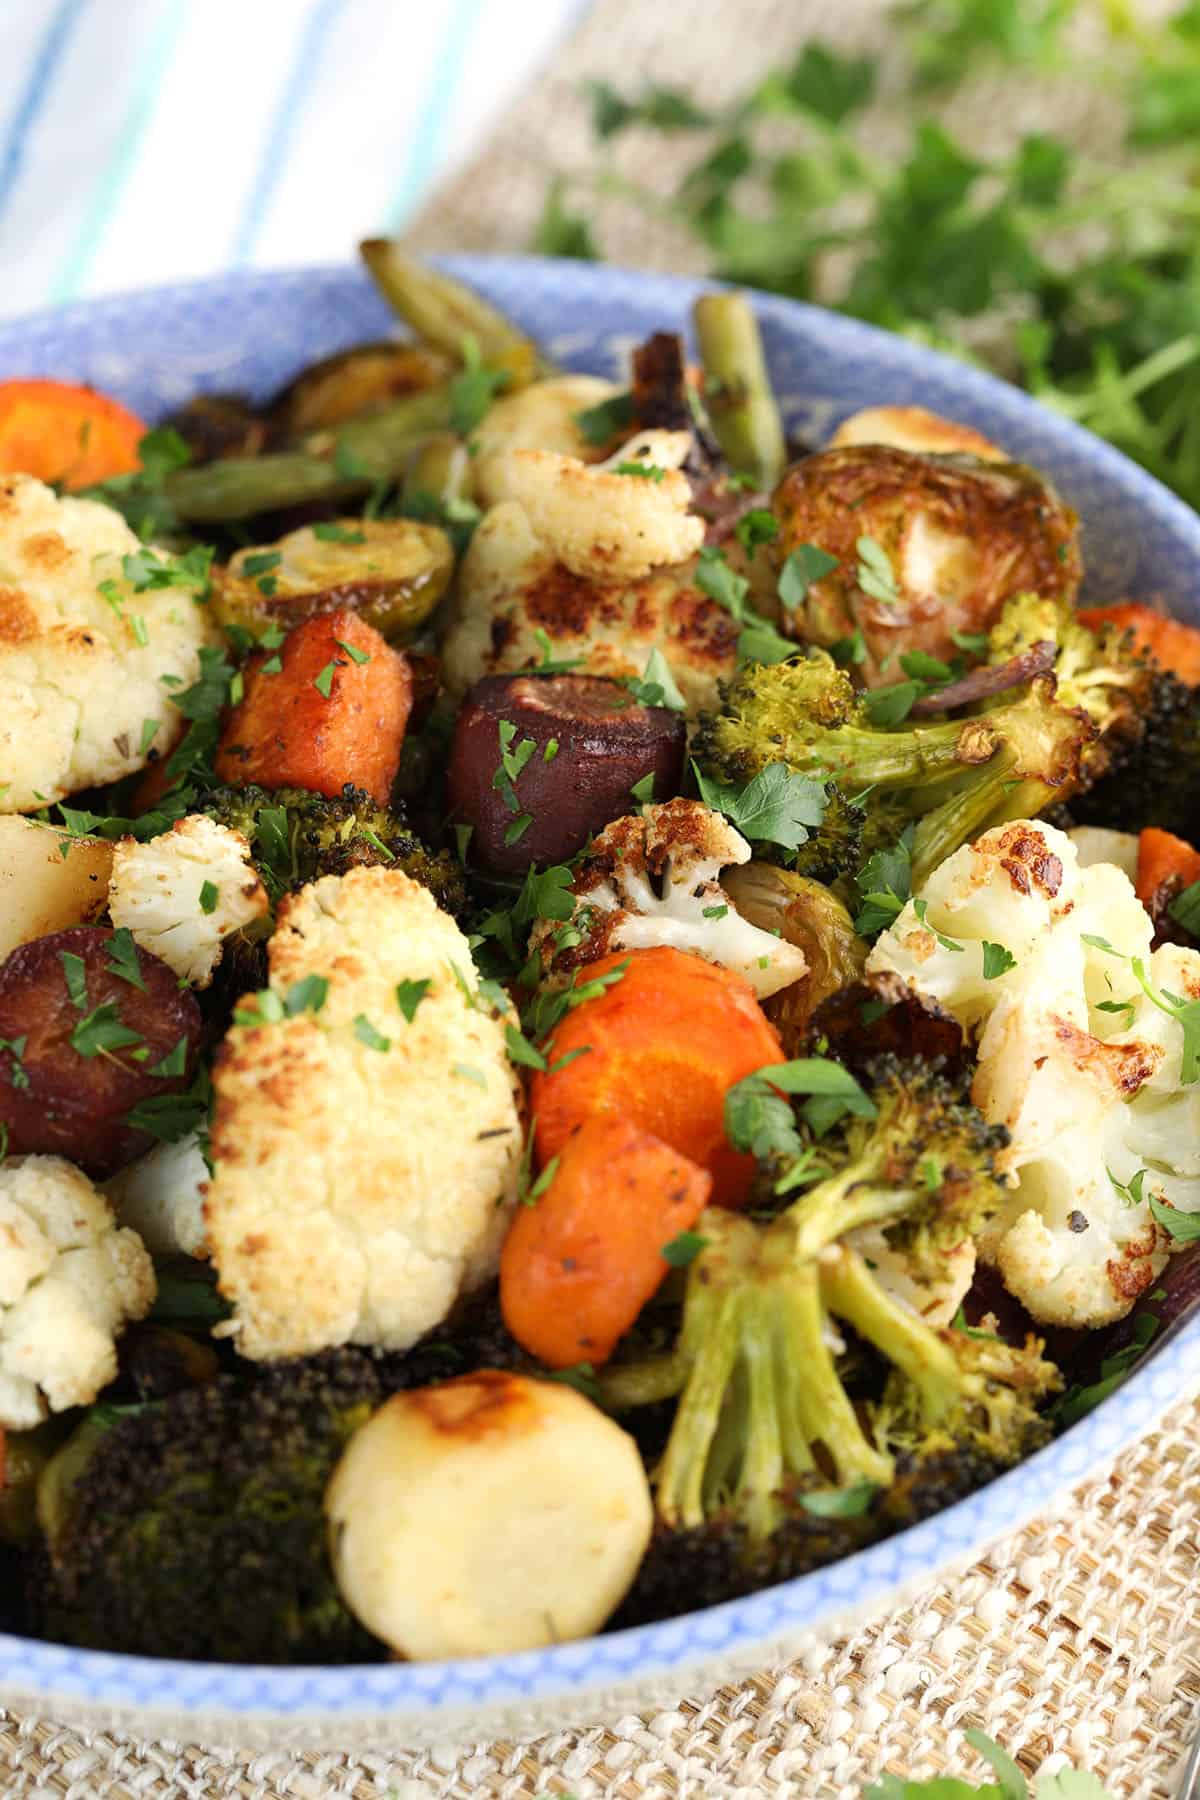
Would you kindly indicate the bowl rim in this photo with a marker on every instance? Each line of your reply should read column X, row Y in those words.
column 870, row 1577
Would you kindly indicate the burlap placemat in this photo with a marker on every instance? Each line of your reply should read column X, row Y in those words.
column 1075, row 1641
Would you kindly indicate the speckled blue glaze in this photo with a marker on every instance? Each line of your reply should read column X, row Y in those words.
column 252, row 331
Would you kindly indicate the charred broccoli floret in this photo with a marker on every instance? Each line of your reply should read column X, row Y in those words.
column 1151, row 777
column 296, row 836
column 956, row 777
column 194, row 1526
column 768, row 1448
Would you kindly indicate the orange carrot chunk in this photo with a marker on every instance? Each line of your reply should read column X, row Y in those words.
column 1172, row 644
column 664, row 1044
column 580, row 1263
column 328, row 707
column 1163, row 862
column 65, row 434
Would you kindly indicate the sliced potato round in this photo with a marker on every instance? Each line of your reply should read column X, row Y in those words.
column 48, row 880
column 354, row 382
column 490, row 1513
column 392, row 572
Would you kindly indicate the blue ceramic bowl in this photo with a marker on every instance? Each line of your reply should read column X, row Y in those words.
column 252, row 331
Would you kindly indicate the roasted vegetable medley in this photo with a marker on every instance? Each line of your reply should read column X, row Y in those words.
column 597, row 1008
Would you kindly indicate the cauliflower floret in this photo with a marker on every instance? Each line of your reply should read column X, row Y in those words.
column 182, row 893
column 511, row 588
column 82, row 671
column 364, row 1161
column 1096, row 844
column 654, row 878
column 539, row 417
column 69, row 1281
column 604, row 525
column 1074, row 1057
column 161, row 1197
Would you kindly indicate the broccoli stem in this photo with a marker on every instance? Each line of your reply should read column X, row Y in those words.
column 919, row 755
column 860, row 1195
column 915, row 1348
column 737, row 391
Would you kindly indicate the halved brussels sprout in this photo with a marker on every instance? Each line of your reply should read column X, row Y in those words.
column 806, row 914
column 392, row 572
column 353, row 382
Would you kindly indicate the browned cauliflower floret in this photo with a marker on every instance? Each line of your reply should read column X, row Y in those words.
column 927, row 546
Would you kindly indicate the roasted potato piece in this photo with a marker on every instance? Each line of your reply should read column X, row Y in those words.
column 915, row 428
column 354, row 382
column 391, row 572
column 959, row 536
column 48, row 880
column 85, row 1042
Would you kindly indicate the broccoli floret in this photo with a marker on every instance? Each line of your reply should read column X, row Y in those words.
column 956, row 777
column 1153, row 776
column 296, row 836
column 194, row 1526
column 769, row 1454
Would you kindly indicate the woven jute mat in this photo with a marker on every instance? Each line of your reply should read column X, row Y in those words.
column 1076, row 1641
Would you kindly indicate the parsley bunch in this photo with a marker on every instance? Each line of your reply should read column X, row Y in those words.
column 1088, row 269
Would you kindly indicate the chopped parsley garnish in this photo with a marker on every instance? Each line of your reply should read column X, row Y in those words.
column 1185, row 909
column 759, row 526
column 643, row 790
column 1077, row 1401
column 366, row 1034
column 15, row 1047
column 174, row 1063
column 101, row 1033
column 1118, row 1006
column 1184, row 1227
column 804, row 565
column 643, row 471
column 600, row 423
column 997, row 961
column 888, row 706
column 759, row 1119
column 549, row 1007
column 409, row 995
column 875, row 574
column 884, row 886
column 327, row 532
column 261, row 562
column 521, row 1051
column 714, row 912
column 516, row 831
column 550, row 664
column 306, row 995
column 775, row 806
column 975, row 643
column 1133, row 1191
column 469, row 1072
column 210, row 893
column 656, row 685
column 75, row 971
column 551, row 750
column 683, row 1249
column 123, row 959
column 848, row 651
column 262, row 1008
column 324, row 681
column 921, row 908
column 149, row 733
column 715, row 578
column 355, row 655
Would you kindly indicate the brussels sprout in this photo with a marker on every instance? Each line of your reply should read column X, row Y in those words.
column 392, row 572
column 354, row 382
column 806, row 914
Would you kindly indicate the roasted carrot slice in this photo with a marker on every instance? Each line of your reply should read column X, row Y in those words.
column 579, row 1264
column 1172, row 644
column 664, row 1043
column 1164, row 861
column 66, row 434
column 330, row 706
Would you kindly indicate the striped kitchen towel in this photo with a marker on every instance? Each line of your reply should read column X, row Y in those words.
column 152, row 140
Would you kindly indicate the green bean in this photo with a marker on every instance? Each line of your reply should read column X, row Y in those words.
column 444, row 312
column 327, row 465
column 737, row 389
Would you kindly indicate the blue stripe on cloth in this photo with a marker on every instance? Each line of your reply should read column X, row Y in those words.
column 283, row 125
column 36, row 88
column 443, row 80
column 107, row 193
